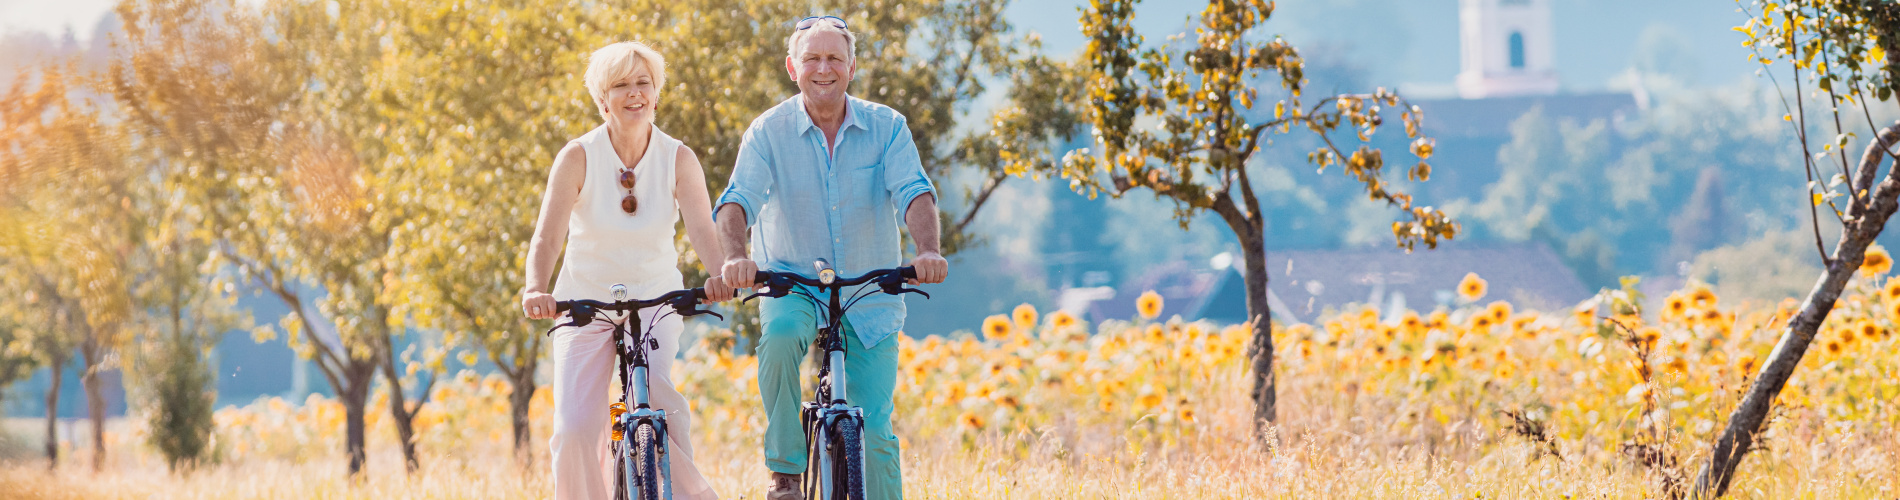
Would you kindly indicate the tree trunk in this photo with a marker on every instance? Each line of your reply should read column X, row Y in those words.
column 1253, row 246
column 521, row 395
column 1265, row 393
column 52, row 411
column 399, row 412
column 95, row 400
column 1864, row 222
column 354, row 398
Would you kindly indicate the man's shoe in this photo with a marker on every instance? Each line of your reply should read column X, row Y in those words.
column 785, row 487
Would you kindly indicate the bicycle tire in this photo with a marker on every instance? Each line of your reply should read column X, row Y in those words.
column 646, row 462
column 621, row 470
column 849, row 459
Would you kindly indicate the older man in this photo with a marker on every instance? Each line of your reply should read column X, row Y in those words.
column 823, row 174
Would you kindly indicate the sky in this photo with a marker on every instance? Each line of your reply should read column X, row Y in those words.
column 53, row 16
column 1397, row 43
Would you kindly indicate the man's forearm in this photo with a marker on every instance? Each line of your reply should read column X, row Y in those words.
column 733, row 234
column 925, row 227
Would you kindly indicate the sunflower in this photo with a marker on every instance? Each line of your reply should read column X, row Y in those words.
column 1586, row 314
column 970, row 420
column 1702, row 297
column 1481, row 322
column 1649, row 335
column 1471, row 288
column 1892, row 290
column 1834, row 347
column 1009, row 401
column 1148, row 304
column 1185, row 414
column 1877, row 262
column 1503, row 372
column 1500, row 311
column 1411, row 322
column 996, row 327
column 1061, row 319
column 1025, row 316
column 1746, row 364
column 1675, row 306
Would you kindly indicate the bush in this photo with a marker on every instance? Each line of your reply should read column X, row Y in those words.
column 180, row 391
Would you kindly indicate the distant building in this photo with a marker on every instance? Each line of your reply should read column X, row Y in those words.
column 1304, row 284
column 1505, row 49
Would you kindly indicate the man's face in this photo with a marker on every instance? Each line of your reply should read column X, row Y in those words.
column 822, row 65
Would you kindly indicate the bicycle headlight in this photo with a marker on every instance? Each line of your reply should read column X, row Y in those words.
column 619, row 291
column 825, row 273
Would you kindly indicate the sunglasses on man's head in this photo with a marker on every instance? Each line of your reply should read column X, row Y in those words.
column 807, row 23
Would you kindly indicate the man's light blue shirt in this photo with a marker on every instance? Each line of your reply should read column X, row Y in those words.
column 844, row 207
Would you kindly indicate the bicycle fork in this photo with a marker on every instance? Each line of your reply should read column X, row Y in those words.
column 819, row 418
column 636, row 384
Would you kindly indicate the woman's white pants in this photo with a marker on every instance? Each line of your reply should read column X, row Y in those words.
column 583, row 374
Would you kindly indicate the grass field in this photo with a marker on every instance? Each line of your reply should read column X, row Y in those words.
column 1477, row 401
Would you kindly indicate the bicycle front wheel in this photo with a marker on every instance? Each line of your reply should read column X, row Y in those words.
column 642, row 472
column 848, row 457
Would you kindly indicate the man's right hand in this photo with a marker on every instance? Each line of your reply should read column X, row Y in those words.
column 739, row 272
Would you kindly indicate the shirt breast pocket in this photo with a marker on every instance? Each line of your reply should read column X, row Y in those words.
column 865, row 186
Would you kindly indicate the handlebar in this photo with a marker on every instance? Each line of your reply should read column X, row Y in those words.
column 684, row 302
column 779, row 284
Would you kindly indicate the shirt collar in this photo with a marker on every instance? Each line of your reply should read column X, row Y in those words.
column 805, row 123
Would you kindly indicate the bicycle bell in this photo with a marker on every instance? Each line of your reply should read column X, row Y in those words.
column 619, row 291
column 825, row 274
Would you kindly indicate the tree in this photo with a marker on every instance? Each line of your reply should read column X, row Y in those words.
column 1847, row 54
column 476, row 147
column 77, row 236
column 220, row 137
column 1198, row 95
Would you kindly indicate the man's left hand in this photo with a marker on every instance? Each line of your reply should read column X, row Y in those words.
column 931, row 268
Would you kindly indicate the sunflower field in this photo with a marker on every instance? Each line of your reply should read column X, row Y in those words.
column 1609, row 399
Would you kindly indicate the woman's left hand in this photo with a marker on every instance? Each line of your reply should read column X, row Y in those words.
column 717, row 291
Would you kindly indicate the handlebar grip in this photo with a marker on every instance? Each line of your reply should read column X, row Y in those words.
column 909, row 272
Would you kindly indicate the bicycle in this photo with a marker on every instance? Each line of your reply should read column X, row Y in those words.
column 641, row 469
column 834, row 441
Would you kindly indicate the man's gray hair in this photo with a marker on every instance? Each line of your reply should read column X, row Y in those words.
column 850, row 39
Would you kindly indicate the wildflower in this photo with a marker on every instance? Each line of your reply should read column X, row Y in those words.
column 1061, row 320
column 1586, row 314
column 1437, row 321
column 1892, row 290
column 1149, row 304
column 1675, row 306
column 1877, row 262
column 1834, row 347
column 1746, row 364
column 1009, row 401
column 1500, row 311
column 1481, row 322
column 1702, row 297
column 1411, row 322
column 1025, row 316
column 996, row 327
column 1184, row 414
column 1471, row 288
column 970, row 420
column 1503, row 372
column 1649, row 335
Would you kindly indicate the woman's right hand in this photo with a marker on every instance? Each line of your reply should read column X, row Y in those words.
column 538, row 305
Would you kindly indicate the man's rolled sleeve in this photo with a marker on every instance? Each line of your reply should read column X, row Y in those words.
column 751, row 182
column 903, row 169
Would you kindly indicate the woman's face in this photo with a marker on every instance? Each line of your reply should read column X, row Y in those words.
column 630, row 100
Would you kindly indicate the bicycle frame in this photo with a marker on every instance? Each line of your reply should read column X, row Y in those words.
column 632, row 367
column 819, row 416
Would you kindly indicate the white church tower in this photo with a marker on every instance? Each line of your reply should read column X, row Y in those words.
column 1505, row 48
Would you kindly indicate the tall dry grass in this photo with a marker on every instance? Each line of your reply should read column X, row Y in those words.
column 1477, row 400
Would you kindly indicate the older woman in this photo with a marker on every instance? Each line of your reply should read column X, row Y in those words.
column 613, row 196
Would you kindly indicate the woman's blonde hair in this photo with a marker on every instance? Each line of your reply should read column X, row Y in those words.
column 616, row 61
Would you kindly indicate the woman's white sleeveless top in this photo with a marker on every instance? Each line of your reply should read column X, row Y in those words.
column 605, row 245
